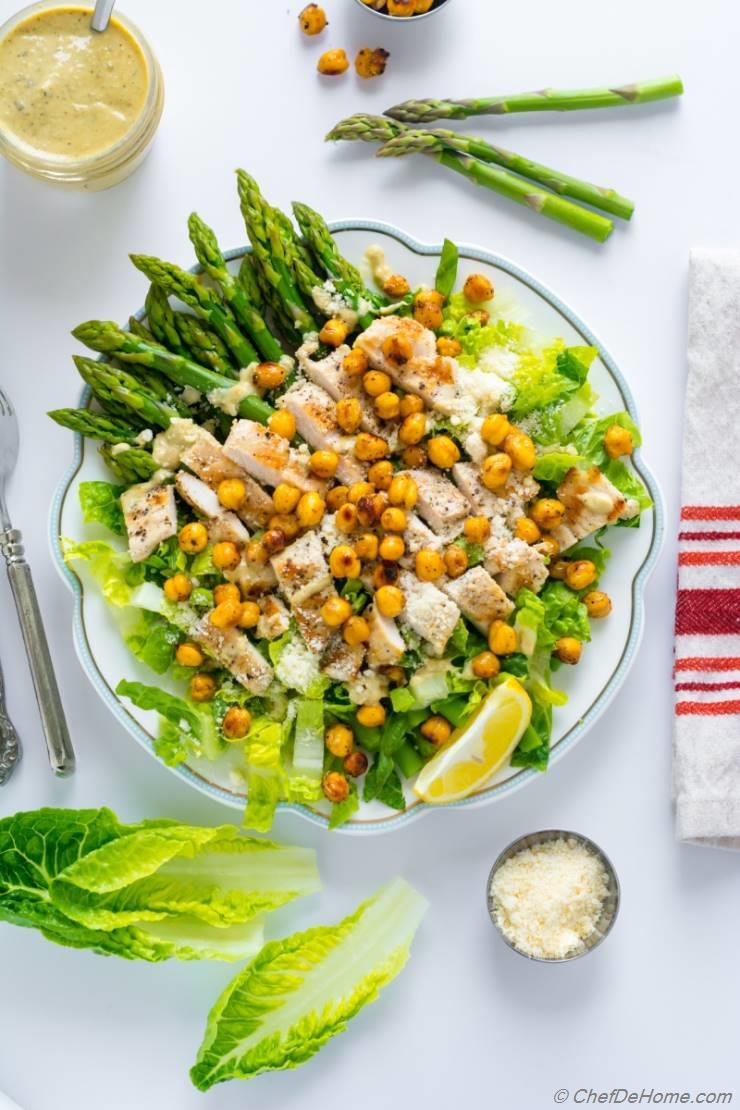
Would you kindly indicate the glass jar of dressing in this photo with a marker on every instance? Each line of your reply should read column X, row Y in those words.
column 77, row 107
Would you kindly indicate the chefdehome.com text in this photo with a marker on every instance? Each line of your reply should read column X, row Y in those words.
column 621, row 1096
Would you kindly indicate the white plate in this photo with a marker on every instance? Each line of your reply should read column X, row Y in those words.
column 590, row 686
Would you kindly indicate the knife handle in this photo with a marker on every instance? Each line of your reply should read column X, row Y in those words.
column 58, row 742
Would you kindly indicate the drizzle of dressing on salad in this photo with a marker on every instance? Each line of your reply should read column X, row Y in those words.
column 68, row 91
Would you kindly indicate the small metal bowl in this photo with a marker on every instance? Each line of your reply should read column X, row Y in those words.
column 436, row 7
column 611, row 903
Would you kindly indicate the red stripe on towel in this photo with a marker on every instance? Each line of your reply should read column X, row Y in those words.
column 708, row 686
column 710, row 512
column 708, row 612
column 709, row 536
column 709, row 559
column 707, row 708
column 707, row 663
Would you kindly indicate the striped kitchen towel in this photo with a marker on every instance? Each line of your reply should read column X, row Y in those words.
column 707, row 663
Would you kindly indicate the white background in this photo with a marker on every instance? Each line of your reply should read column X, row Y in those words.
column 468, row 1021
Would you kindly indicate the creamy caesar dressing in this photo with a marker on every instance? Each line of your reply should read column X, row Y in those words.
column 66, row 91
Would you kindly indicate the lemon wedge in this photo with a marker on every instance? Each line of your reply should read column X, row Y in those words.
column 480, row 748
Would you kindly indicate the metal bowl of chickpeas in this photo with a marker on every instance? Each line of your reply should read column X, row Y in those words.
column 403, row 9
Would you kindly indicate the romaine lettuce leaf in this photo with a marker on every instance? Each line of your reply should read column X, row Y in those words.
column 111, row 568
column 153, row 640
column 101, row 504
column 188, row 725
column 301, row 991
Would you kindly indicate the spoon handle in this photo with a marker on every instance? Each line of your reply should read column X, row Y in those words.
column 101, row 15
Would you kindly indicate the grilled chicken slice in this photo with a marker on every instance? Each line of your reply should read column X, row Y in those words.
column 227, row 528
column 386, row 645
column 428, row 612
column 252, row 579
column 207, row 459
column 316, row 420
column 234, row 651
column 440, row 503
column 342, row 663
column 520, row 489
column 418, row 537
column 591, row 501
column 301, row 569
column 327, row 373
column 311, row 625
column 427, row 374
column 274, row 619
column 267, row 457
column 151, row 518
column 223, row 525
column 479, row 597
column 524, row 567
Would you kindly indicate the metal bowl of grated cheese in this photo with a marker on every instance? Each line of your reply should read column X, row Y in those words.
column 553, row 896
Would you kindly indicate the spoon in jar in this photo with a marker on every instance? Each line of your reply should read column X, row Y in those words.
column 102, row 14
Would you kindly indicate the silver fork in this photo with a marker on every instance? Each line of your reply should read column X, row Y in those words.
column 58, row 742
column 10, row 745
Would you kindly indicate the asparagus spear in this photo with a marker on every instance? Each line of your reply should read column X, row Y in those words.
column 250, row 283
column 179, row 283
column 378, row 129
column 269, row 251
column 111, row 383
column 161, row 320
column 546, row 100
column 107, row 338
column 321, row 241
column 95, row 425
column 133, row 465
column 436, row 141
column 213, row 262
column 140, row 329
column 204, row 344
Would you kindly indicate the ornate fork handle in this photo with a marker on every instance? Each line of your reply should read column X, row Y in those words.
column 10, row 745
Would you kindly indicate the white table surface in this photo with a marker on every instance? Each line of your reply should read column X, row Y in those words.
column 657, row 1006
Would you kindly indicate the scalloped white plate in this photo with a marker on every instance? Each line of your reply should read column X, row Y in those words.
column 590, row 686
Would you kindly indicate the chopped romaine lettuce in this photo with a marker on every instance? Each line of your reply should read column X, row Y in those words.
column 101, row 504
column 188, row 727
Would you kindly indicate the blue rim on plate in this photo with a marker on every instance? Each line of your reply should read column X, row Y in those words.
column 524, row 775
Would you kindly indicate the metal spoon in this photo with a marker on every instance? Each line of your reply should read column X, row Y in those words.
column 102, row 14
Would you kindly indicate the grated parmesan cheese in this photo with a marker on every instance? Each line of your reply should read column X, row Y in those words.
column 548, row 898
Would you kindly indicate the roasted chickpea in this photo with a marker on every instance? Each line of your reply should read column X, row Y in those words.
column 598, row 604
column 335, row 787
column 282, row 423
column 388, row 406
column 394, row 520
column 376, row 382
column 477, row 529
column 428, row 308
column 429, row 565
column 274, row 541
column 355, row 764
column 411, row 404
column 257, row 553
column 437, row 729
column 495, row 471
column 310, row 509
column 486, row 665
column 312, row 19
column 355, row 363
column 581, row 574
column 568, row 650
column 361, row 489
column 366, row 547
column 371, row 63
column 236, row 723
column 413, row 429
column 456, row 560
column 380, row 476
column 385, row 574
column 285, row 523
column 345, row 517
column 398, row 349
column 396, row 286
column 334, row 331
column 203, row 687
column 335, row 611
column 390, row 600
column 269, row 375
column 249, row 614
column 520, row 449
column 324, row 464
column 403, row 491
column 337, row 497
column 527, row 530
column 344, row 563
column 392, row 548
column 618, row 441
column 285, row 498
column 402, row 7
column 443, row 452
column 395, row 675
column 501, row 638
column 193, row 538
column 225, row 615
column 178, row 588
column 448, row 347
column 480, row 316
column 226, row 555
column 227, row 591
column 422, row 6
column 369, row 447
column 356, row 631
column 189, row 655
column 549, row 547
column 495, row 429
column 371, row 716
column 478, row 289
column 349, row 414
column 414, row 457
column 339, row 740
column 231, row 493
column 333, row 63
column 547, row 513
column 558, row 569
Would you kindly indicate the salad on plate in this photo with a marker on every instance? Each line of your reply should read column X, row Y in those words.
column 358, row 524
